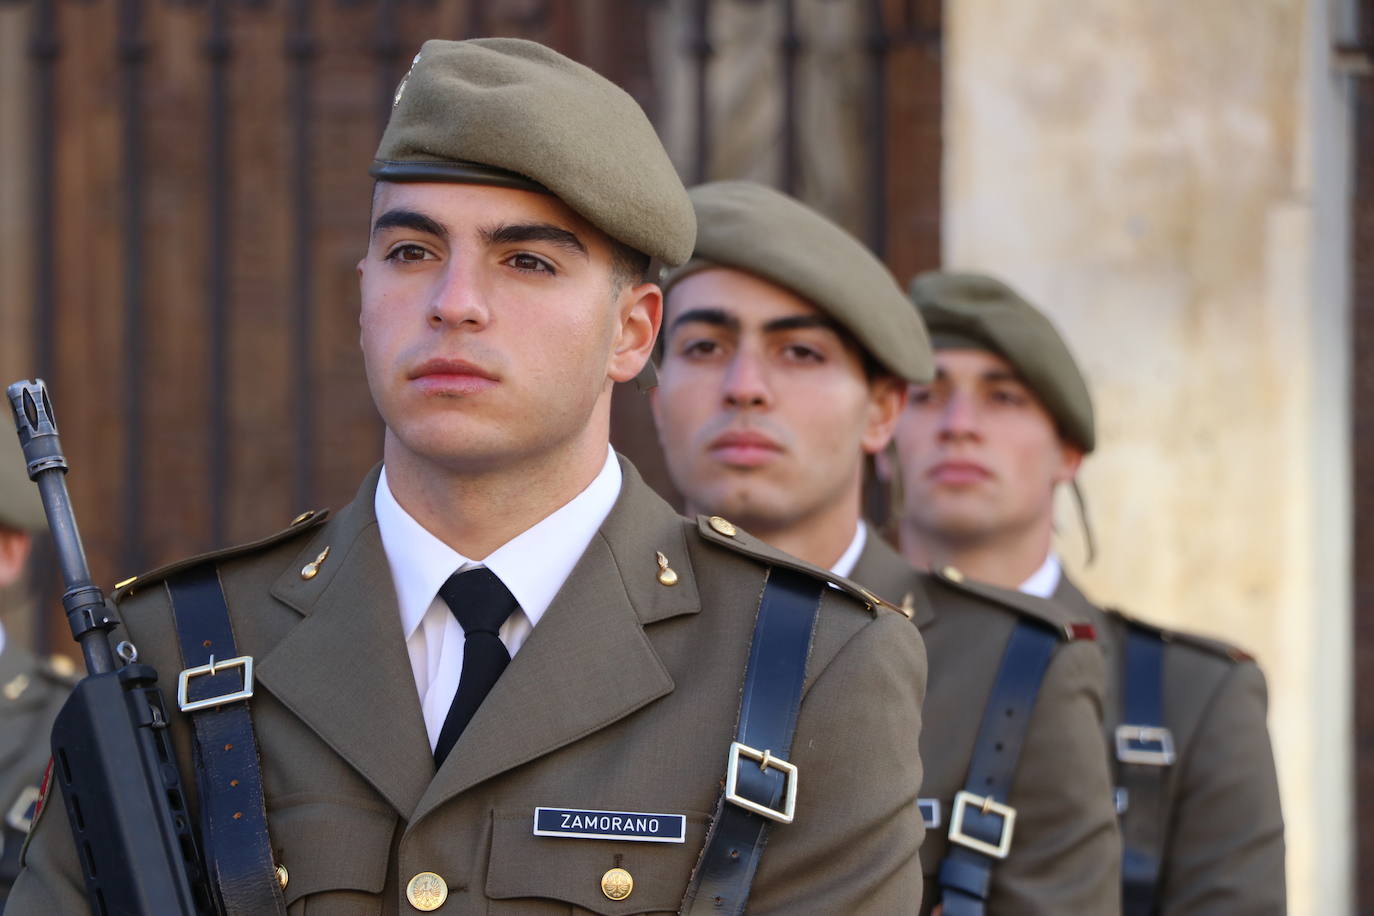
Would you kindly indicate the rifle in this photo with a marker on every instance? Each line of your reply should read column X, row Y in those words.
column 111, row 751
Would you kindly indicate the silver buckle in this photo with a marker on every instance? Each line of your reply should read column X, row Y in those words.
column 986, row 805
column 766, row 760
column 184, row 680
column 1129, row 735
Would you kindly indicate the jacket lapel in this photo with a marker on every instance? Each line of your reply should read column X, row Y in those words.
column 343, row 669
column 589, row 662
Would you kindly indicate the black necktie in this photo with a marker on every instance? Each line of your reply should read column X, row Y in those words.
column 481, row 604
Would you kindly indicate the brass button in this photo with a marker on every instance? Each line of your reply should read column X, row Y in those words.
column 426, row 891
column 953, row 573
column 721, row 526
column 282, row 877
column 303, row 517
column 617, row 884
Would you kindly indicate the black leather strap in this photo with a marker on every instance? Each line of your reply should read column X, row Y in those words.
column 1142, row 823
column 768, row 711
column 228, row 773
column 966, row 874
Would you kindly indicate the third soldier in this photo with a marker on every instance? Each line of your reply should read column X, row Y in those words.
column 983, row 449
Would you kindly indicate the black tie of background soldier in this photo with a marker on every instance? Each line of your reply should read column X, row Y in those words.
column 481, row 603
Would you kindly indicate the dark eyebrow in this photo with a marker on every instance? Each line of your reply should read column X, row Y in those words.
column 409, row 219
column 801, row 322
column 509, row 234
column 717, row 317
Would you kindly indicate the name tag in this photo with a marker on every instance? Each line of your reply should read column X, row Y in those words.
column 633, row 826
column 930, row 811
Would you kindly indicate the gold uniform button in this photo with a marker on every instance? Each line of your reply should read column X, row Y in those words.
column 312, row 569
column 617, row 884
column 426, row 891
column 953, row 573
column 282, row 877
column 721, row 526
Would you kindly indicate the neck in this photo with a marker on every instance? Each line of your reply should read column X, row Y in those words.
column 820, row 538
column 477, row 512
column 1004, row 559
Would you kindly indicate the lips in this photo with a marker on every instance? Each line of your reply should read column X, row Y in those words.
column 744, row 448
column 959, row 473
column 451, row 376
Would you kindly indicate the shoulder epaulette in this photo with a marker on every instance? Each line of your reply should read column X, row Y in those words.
column 1211, row 646
column 1039, row 609
column 717, row 530
column 302, row 523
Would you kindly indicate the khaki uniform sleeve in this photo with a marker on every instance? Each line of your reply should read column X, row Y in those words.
column 50, row 881
column 854, row 845
column 1066, row 850
column 1228, row 852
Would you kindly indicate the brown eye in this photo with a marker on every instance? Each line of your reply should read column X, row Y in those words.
column 407, row 253
column 530, row 264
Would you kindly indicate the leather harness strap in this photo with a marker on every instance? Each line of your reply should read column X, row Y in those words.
column 1144, row 752
column 760, row 783
column 214, row 691
column 981, row 822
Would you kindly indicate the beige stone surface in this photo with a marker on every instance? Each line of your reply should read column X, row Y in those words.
column 1158, row 177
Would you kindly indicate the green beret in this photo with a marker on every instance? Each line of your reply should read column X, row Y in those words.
column 764, row 232
column 514, row 113
column 20, row 506
column 973, row 311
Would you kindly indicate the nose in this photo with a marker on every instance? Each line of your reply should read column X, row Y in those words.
column 745, row 381
column 959, row 418
column 457, row 300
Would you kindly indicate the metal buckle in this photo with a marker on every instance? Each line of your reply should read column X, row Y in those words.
column 985, row 804
column 184, row 680
column 765, row 760
column 1127, row 736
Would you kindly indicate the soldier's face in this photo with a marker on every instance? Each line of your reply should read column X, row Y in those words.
column 491, row 328
column 763, row 410
column 980, row 456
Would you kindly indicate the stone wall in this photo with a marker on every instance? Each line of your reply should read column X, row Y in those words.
column 1167, row 181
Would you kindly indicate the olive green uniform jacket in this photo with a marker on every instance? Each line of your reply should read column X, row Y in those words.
column 1223, row 850
column 31, row 693
column 1065, row 851
column 624, row 698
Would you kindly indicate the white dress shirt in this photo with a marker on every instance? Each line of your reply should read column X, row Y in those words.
column 850, row 558
column 533, row 566
column 1043, row 582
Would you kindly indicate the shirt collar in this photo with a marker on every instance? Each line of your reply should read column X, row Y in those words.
column 1043, row 582
column 533, row 565
column 844, row 566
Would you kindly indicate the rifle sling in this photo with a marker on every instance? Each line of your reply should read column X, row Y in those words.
column 228, row 772
column 769, row 704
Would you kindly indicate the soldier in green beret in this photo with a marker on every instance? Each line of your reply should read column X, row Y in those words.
column 31, row 691
column 507, row 677
column 982, row 450
column 787, row 352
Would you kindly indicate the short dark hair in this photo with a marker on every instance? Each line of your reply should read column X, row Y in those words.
column 628, row 266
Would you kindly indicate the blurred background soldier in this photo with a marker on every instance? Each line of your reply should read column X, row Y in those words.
column 982, row 450
column 786, row 352
column 31, row 692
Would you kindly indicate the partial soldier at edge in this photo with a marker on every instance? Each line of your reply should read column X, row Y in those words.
column 982, row 450
column 31, row 691
column 785, row 356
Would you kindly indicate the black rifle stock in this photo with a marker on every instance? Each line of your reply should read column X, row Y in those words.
column 112, row 755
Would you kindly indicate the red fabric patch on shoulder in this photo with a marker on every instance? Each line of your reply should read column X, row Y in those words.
column 43, row 788
column 1079, row 631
